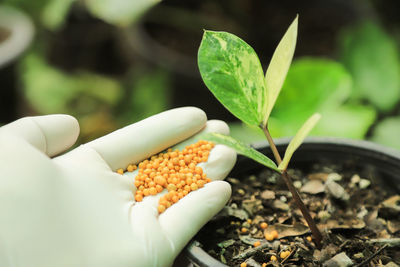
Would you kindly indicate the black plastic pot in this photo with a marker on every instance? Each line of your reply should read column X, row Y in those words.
column 385, row 162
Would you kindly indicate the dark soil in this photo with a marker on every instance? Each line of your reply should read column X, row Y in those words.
column 356, row 221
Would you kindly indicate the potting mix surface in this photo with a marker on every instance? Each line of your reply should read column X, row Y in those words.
column 358, row 217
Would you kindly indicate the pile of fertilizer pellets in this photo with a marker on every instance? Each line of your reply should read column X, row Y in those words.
column 174, row 170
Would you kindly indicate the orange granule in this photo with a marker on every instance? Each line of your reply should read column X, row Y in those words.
column 175, row 171
column 271, row 236
column 284, row 254
column 275, row 234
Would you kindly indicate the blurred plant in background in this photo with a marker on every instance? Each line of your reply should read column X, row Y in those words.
column 372, row 57
column 58, row 74
column 113, row 62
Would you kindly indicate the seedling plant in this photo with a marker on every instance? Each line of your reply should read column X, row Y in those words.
column 232, row 71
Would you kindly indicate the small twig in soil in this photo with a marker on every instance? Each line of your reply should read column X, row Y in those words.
column 344, row 244
column 251, row 251
column 291, row 253
column 392, row 242
column 372, row 256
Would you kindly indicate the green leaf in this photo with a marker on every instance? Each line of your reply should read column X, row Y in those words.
column 312, row 85
column 298, row 139
column 319, row 85
column 33, row 8
column 150, row 94
column 279, row 67
column 350, row 121
column 241, row 149
column 50, row 90
column 119, row 12
column 55, row 12
column 248, row 134
column 232, row 71
column 387, row 132
column 372, row 58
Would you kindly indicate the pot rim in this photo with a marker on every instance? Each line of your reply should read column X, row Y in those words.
column 21, row 33
column 360, row 147
column 336, row 141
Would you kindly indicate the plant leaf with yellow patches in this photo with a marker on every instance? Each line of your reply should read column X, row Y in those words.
column 241, row 148
column 278, row 68
column 298, row 139
column 233, row 73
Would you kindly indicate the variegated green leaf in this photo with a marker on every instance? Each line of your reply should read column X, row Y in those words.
column 298, row 139
column 278, row 68
column 241, row 148
column 232, row 71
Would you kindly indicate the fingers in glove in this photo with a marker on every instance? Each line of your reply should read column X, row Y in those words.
column 148, row 137
column 212, row 126
column 184, row 219
column 220, row 162
column 86, row 158
column 51, row 134
column 179, row 223
column 221, row 159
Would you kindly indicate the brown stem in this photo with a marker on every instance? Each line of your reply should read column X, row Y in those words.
column 272, row 145
column 300, row 204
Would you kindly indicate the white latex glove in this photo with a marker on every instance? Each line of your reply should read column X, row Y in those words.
column 73, row 210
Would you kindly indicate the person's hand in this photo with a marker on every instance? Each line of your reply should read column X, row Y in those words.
column 75, row 210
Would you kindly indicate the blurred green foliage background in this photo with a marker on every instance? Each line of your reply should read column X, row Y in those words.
column 113, row 62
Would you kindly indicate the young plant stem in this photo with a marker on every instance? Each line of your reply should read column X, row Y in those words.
column 272, row 145
column 299, row 202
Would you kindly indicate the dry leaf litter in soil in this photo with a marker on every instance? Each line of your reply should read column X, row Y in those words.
column 261, row 226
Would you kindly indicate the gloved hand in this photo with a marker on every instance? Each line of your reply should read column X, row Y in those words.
column 74, row 210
